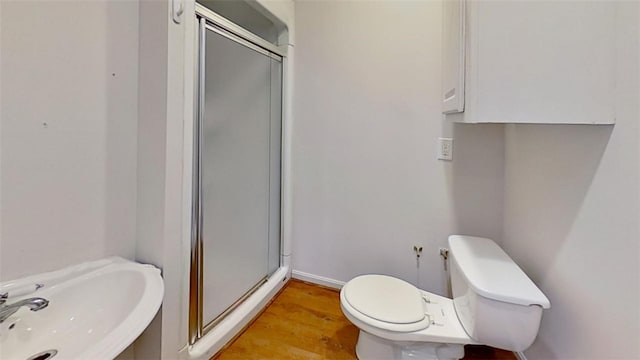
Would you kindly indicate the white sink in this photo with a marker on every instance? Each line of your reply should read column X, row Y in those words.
column 95, row 311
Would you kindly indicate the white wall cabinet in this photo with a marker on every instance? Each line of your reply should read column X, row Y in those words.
column 549, row 62
column 453, row 59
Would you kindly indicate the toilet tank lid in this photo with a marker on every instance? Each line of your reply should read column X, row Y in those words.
column 491, row 273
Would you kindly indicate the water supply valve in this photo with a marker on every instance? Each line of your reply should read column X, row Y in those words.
column 444, row 252
column 417, row 250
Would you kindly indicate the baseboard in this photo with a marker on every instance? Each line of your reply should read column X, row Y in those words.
column 317, row 279
column 519, row 355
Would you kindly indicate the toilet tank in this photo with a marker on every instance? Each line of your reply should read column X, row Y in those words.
column 496, row 302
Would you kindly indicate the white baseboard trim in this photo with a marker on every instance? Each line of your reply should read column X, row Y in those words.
column 519, row 355
column 317, row 279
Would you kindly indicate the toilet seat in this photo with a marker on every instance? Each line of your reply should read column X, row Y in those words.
column 368, row 295
column 445, row 329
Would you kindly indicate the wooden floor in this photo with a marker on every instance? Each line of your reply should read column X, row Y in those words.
column 305, row 322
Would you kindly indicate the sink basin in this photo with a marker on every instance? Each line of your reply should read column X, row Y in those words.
column 94, row 312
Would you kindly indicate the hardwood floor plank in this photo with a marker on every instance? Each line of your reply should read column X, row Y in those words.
column 305, row 322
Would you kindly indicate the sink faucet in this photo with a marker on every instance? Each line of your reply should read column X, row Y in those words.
column 34, row 304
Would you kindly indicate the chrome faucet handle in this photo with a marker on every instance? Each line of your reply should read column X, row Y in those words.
column 3, row 298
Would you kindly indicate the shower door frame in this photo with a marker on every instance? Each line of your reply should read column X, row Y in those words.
column 208, row 20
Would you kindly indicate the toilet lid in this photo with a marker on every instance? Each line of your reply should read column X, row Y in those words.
column 385, row 298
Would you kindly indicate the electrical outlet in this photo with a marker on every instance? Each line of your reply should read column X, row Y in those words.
column 445, row 149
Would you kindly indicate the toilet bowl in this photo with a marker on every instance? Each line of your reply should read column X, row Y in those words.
column 494, row 303
column 412, row 324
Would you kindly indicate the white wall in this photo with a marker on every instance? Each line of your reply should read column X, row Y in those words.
column 160, row 208
column 572, row 220
column 68, row 111
column 366, row 182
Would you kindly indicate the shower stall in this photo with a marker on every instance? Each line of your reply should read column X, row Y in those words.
column 236, row 190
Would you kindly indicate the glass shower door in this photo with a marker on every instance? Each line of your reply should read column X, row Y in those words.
column 240, row 122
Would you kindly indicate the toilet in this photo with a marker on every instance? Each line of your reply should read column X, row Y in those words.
column 494, row 303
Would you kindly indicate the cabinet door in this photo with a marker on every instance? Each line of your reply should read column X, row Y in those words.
column 546, row 62
column 453, row 56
